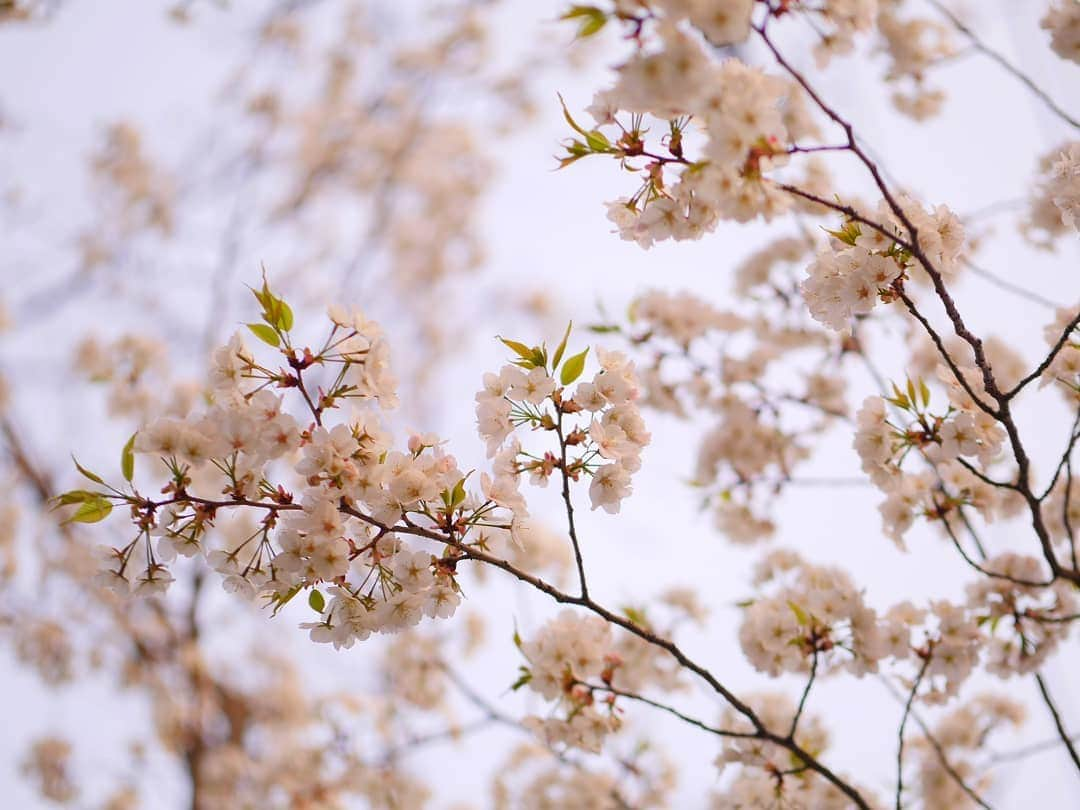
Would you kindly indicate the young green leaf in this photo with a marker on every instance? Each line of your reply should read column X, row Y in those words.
column 570, row 120
column 592, row 19
column 127, row 458
column 285, row 316
column 316, row 601
column 520, row 349
column 457, row 497
column 800, row 614
column 265, row 333
column 74, row 496
column 597, row 141
column 92, row 510
column 523, row 679
column 592, row 25
column 92, row 476
column 925, row 393
column 561, row 348
column 573, row 367
column 281, row 600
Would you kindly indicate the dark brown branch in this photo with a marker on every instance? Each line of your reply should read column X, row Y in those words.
column 805, row 695
column 940, row 345
column 1058, row 722
column 935, row 275
column 1045, row 364
column 749, row 735
column 570, row 508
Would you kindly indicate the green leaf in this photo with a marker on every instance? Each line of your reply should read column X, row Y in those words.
column 275, row 312
column 531, row 357
column 800, row 614
column 285, row 318
column 265, row 333
column 579, row 11
column 592, row 25
column 848, row 234
column 899, row 398
column 92, row 510
column 570, row 120
column 458, row 495
column 281, row 600
column 520, row 349
column 316, row 601
column 127, row 458
column 74, row 496
column 92, row 476
column 523, row 679
column 925, row 393
column 573, row 367
column 561, row 348
column 604, row 328
column 592, row 19
column 597, row 141
column 566, row 161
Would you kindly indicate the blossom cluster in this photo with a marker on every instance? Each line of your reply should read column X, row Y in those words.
column 767, row 773
column 744, row 119
column 247, row 451
column 846, row 282
column 373, row 534
column 1054, row 202
column 944, row 443
column 608, row 445
column 1032, row 619
column 566, row 653
column 755, row 371
column 958, row 739
column 815, row 616
column 1062, row 20
column 580, row 665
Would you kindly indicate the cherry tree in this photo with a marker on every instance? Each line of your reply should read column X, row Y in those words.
column 845, row 330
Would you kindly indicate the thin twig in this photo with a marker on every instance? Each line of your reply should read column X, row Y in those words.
column 939, row 749
column 1058, row 722
column 693, row 721
column 805, row 695
column 1008, row 286
column 1010, row 68
column 900, row 733
column 570, row 508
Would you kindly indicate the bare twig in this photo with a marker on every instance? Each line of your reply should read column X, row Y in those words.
column 1010, row 68
column 900, row 733
column 1059, row 724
